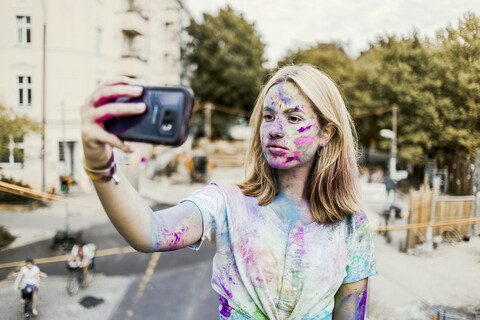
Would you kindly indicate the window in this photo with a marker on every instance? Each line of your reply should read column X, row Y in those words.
column 61, row 151
column 24, row 91
column 11, row 151
column 24, row 30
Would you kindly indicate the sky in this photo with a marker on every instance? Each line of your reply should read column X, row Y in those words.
column 289, row 24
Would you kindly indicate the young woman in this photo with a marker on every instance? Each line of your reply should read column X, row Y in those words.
column 291, row 241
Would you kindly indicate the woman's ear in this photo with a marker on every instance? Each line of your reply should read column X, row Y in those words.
column 327, row 133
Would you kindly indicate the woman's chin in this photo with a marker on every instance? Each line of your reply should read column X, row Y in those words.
column 280, row 165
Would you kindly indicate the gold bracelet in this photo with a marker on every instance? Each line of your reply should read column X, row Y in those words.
column 104, row 175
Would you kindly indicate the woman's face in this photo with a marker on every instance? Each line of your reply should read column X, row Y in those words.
column 289, row 133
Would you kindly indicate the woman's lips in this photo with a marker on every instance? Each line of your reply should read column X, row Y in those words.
column 277, row 150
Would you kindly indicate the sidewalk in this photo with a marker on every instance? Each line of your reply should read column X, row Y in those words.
column 42, row 223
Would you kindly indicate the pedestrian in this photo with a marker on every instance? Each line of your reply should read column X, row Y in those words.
column 28, row 281
column 81, row 256
column 377, row 175
column 291, row 241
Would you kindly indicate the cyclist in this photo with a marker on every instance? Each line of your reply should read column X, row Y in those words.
column 28, row 281
column 81, row 256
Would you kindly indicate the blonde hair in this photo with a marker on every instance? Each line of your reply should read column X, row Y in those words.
column 333, row 183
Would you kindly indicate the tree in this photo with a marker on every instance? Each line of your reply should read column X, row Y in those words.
column 459, row 73
column 400, row 71
column 436, row 85
column 328, row 57
column 13, row 128
column 226, row 54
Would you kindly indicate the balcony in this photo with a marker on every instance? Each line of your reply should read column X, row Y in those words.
column 132, row 66
column 132, row 23
column 171, row 16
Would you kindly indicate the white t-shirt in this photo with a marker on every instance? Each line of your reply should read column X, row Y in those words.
column 29, row 275
column 264, row 269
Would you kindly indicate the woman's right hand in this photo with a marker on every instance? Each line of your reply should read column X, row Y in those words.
column 97, row 142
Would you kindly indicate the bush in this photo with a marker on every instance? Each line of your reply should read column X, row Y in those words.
column 11, row 198
column 5, row 237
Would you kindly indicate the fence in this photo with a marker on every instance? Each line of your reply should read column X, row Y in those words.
column 445, row 212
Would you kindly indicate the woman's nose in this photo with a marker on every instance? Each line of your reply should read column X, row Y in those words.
column 276, row 130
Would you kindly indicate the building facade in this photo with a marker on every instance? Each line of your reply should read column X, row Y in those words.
column 54, row 53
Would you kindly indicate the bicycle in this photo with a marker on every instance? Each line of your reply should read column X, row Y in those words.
column 75, row 279
column 27, row 293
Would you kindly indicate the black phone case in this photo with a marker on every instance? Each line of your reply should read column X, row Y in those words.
column 165, row 120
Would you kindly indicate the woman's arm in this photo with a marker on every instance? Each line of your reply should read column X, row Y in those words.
column 144, row 229
column 147, row 231
column 17, row 280
column 351, row 301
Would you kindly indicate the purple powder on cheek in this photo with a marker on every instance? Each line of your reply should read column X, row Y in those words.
column 293, row 158
column 303, row 129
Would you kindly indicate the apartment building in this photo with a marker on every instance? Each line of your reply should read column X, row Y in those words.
column 53, row 53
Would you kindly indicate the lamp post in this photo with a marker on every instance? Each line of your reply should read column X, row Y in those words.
column 392, row 134
column 387, row 133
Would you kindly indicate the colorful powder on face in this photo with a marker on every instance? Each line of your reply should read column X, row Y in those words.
column 303, row 141
column 285, row 99
column 303, row 129
column 296, row 156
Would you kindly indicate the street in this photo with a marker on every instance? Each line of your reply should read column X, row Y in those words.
column 121, row 281
column 176, row 285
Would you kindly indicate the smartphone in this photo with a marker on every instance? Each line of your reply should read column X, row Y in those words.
column 165, row 120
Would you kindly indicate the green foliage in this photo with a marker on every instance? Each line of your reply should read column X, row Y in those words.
column 459, row 73
column 5, row 237
column 13, row 126
column 400, row 72
column 12, row 123
column 329, row 57
column 226, row 53
column 11, row 198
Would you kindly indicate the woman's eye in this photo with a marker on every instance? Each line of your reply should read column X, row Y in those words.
column 294, row 119
column 267, row 117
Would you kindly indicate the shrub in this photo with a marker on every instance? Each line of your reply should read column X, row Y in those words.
column 5, row 237
column 11, row 198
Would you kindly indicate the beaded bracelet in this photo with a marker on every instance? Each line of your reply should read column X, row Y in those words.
column 104, row 175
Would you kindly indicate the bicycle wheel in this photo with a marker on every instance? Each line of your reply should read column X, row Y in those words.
column 90, row 276
column 27, row 308
column 72, row 285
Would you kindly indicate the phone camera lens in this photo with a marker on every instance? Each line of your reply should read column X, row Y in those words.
column 168, row 120
column 167, row 126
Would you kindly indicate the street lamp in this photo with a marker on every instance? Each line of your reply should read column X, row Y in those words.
column 386, row 133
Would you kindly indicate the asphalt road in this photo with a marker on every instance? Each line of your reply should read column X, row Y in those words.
column 131, row 285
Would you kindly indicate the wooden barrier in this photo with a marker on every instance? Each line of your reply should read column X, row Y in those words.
column 424, row 204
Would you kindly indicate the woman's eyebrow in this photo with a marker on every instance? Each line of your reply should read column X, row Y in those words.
column 294, row 109
column 268, row 108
